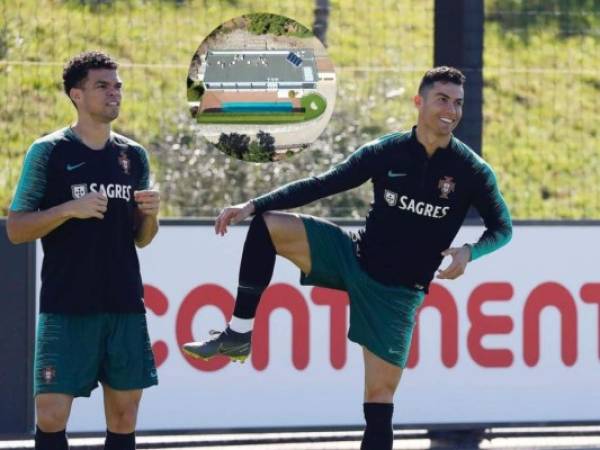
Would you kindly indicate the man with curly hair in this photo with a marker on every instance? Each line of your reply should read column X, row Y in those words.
column 84, row 190
column 424, row 182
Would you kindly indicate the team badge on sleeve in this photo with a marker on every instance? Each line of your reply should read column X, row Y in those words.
column 124, row 162
column 446, row 186
column 78, row 190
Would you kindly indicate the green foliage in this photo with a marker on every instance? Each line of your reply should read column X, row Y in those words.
column 258, row 154
column 195, row 90
column 241, row 146
column 234, row 144
column 266, row 142
column 264, row 23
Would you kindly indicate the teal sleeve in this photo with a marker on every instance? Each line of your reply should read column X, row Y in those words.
column 352, row 172
column 32, row 182
column 493, row 210
column 144, row 181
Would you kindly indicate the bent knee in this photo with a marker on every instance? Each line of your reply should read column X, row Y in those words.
column 286, row 230
column 276, row 222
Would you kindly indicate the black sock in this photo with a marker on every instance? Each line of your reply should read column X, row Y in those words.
column 379, row 434
column 50, row 441
column 118, row 441
column 256, row 268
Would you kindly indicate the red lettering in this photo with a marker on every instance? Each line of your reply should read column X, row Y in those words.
column 482, row 325
column 544, row 295
column 204, row 295
column 590, row 293
column 549, row 294
column 338, row 322
column 281, row 296
column 441, row 299
column 157, row 302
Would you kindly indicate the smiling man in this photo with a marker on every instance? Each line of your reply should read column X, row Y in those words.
column 424, row 182
column 84, row 191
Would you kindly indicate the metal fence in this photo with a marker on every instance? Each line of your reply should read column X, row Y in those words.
column 541, row 84
column 542, row 105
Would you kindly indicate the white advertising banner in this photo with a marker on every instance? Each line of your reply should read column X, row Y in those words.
column 515, row 339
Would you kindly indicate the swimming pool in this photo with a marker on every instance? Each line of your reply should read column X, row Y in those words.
column 250, row 107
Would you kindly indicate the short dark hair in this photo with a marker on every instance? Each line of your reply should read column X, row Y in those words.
column 76, row 70
column 443, row 74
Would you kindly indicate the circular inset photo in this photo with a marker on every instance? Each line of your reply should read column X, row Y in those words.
column 261, row 87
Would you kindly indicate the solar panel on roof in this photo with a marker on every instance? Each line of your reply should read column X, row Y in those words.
column 294, row 59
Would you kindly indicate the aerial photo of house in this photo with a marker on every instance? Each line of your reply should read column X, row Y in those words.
column 260, row 86
column 243, row 83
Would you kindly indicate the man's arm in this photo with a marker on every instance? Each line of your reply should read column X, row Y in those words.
column 25, row 226
column 493, row 210
column 148, row 202
column 498, row 226
column 25, row 223
column 352, row 172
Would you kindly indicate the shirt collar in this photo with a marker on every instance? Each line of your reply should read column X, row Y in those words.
column 416, row 145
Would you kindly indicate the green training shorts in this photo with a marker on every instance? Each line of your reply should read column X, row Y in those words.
column 76, row 351
column 382, row 317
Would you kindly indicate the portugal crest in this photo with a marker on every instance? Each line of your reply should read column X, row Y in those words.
column 446, row 186
column 78, row 190
column 124, row 162
column 391, row 197
column 48, row 374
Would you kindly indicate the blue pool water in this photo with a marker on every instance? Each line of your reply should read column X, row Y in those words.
column 257, row 106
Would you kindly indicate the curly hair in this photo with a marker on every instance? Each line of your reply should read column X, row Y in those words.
column 443, row 74
column 76, row 70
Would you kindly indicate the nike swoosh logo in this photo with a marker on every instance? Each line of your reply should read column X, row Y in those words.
column 397, row 352
column 392, row 174
column 74, row 166
column 233, row 349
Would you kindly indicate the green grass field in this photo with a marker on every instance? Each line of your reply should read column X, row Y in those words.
column 541, row 91
column 254, row 118
column 307, row 103
column 314, row 105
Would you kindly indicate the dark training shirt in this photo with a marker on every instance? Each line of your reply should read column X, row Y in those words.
column 90, row 265
column 419, row 204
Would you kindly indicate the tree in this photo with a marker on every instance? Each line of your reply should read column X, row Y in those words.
column 266, row 141
column 234, row 144
column 195, row 90
column 262, row 149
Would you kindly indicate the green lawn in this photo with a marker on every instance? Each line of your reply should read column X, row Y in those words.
column 254, row 118
column 307, row 103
